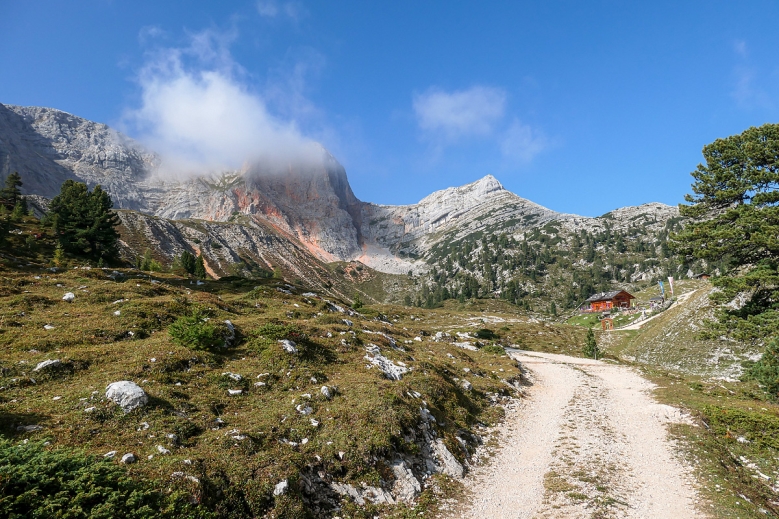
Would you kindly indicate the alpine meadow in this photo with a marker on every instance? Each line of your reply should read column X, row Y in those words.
column 202, row 317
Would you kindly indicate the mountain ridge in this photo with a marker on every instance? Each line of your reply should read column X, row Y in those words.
column 310, row 203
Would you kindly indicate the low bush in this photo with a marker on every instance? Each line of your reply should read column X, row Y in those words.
column 197, row 332
column 36, row 482
column 494, row 348
column 485, row 333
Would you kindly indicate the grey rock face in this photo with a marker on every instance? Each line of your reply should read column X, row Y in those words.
column 127, row 395
column 406, row 486
column 310, row 204
column 48, row 146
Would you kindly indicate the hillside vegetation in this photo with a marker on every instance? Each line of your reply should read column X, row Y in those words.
column 225, row 427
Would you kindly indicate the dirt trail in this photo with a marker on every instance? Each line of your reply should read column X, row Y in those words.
column 589, row 441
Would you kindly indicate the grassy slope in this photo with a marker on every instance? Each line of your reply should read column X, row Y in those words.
column 735, row 445
column 360, row 428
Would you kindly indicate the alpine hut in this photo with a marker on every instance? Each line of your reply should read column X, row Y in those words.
column 607, row 300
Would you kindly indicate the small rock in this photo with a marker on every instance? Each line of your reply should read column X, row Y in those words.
column 28, row 428
column 467, row 385
column 288, row 345
column 326, row 392
column 259, row 384
column 89, row 409
column 109, row 454
column 69, row 297
column 234, row 376
column 234, row 392
column 118, row 313
column 347, row 322
column 48, row 364
column 281, row 488
column 128, row 395
column 304, row 441
column 57, row 398
column 314, row 423
column 129, row 458
column 230, row 334
column 162, row 450
column 304, row 410
column 48, row 327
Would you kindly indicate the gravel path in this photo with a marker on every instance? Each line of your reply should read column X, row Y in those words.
column 588, row 441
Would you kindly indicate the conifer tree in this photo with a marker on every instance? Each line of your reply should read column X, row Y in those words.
column 84, row 222
column 735, row 219
column 11, row 194
column 590, row 345
column 188, row 262
column 200, row 268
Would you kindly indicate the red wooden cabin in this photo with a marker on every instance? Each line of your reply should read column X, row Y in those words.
column 607, row 300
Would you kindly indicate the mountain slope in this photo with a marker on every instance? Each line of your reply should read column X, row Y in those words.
column 309, row 203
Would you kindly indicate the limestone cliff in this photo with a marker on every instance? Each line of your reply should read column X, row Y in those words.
column 307, row 202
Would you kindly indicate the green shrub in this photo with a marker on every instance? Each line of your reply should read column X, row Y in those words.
column 590, row 348
column 485, row 333
column 40, row 483
column 497, row 349
column 278, row 331
column 196, row 332
column 766, row 370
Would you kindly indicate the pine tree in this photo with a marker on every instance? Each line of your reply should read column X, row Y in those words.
column 200, row 268
column 59, row 256
column 766, row 370
column 11, row 193
column 590, row 345
column 188, row 262
column 84, row 221
column 20, row 210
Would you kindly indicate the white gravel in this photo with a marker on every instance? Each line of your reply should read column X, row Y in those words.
column 588, row 441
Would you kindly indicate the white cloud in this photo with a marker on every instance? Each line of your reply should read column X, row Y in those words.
column 453, row 115
column 748, row 89
column 272, row 8
column 268, row 8
column 478, row 112
column 740, row 48
column 149, row 32
column 521, row 143
column 198, row 111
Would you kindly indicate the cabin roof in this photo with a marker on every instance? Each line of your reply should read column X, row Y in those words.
column 606, row 296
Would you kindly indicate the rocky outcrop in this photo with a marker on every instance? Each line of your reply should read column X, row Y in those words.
column 412, row 230
column 308, row 202
column 48, row 146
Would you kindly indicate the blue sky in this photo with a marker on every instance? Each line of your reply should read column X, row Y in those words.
column 580, row 106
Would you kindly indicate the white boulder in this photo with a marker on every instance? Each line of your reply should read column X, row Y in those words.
column 48, row 364
column 288, row 345
column 129, row 458
column 128, row 395
column 69, row 297
column 280, row 488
